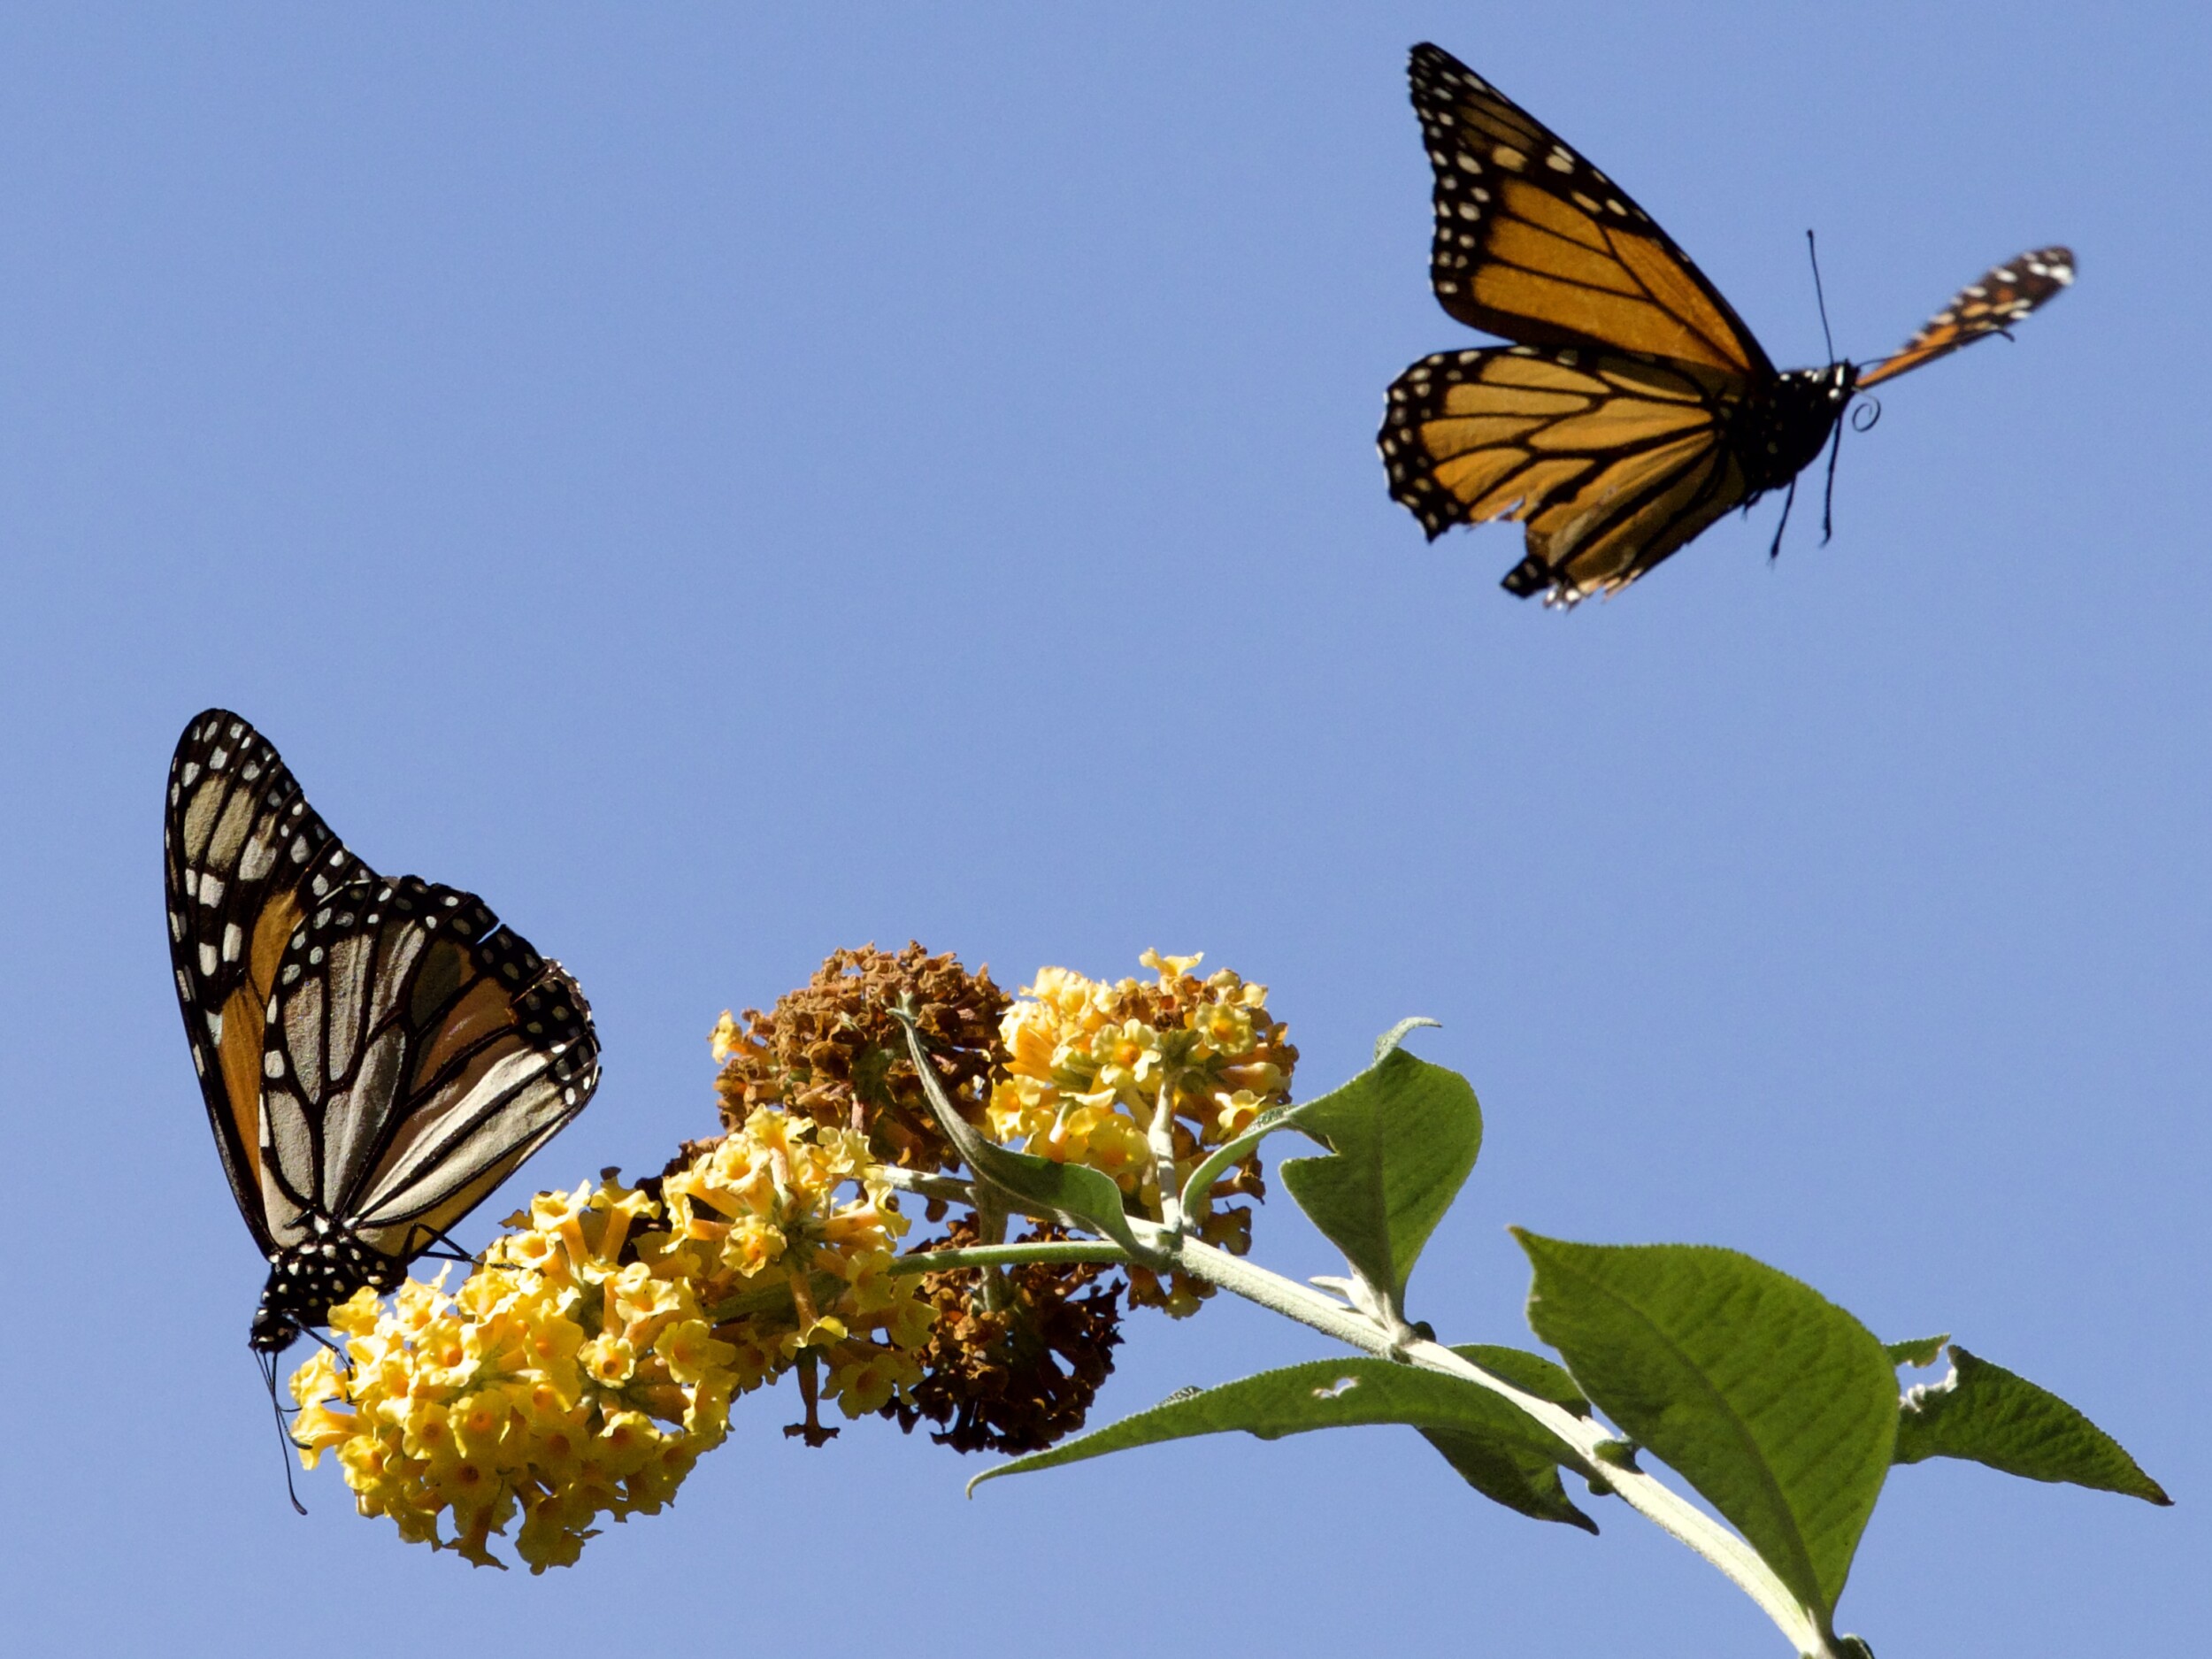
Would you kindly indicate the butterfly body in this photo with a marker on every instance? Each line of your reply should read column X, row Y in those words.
column 308, row 1278
column 1636, row 407
column 376, row 1054
column 1778, row 436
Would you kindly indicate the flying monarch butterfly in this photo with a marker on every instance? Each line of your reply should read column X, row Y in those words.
column 1635, row 408
column 377, row 1054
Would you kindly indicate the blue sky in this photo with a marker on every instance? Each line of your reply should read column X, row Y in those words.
column 727, row 485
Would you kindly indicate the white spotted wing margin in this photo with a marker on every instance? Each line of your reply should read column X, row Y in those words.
column 416, row 1053
column 245, row 859
column 2002, row 297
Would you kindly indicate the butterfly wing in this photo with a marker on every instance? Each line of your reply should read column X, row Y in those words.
column 246, row 859
column 1612, row 462
column 1990, row 306
column 416, row 1053
column 1536, row 245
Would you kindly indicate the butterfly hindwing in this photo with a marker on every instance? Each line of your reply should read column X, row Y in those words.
column 1612, row 462
column 245, row 857
column 418, row 1052
column 1990, row 306
column 1535, row 245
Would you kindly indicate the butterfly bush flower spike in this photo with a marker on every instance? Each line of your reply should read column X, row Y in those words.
column 579, row 1372
column 1087, row 1062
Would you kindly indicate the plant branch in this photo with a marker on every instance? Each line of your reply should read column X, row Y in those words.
column 1012, row 1256
column 1160, row 1138
column 1657, row 1503
column 950, row 1188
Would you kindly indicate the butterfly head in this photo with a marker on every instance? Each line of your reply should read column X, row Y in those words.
column 1822, row 393
column 272, row 1330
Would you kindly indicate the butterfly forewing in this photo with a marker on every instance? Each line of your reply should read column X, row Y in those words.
column 1535, row 245
column 245, row 859
column 417, row 1053
column 1991, row 306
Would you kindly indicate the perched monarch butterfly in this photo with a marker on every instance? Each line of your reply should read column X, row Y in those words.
column 377, row 1054
column 1636, row 407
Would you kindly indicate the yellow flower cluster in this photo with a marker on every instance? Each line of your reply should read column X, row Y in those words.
column 1087, row 1062
column 559, row 1382
column 786, row 1268
column 580, row 1370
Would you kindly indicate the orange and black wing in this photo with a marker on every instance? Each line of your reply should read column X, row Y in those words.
column 1536, row 245
column 247, row 860
column 417, row 1052
column 1990, row 306
column 1612, row 462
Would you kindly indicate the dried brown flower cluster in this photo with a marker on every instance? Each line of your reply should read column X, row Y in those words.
column 832, row 1051
column 1014, row 1362
column 1073, row 1073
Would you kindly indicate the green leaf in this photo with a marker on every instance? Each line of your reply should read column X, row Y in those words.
column 1988, row 1415
column 1221, row 1157
column 1924, row 1350
column 1525, row 1484
column 1403, row 1136
column 1517, row 1478
column 1773, row 1402
column 1069, row 1191
column 1399, row 1032
column 1500, row 1451
column 1530, row 1373
column 1282, row 1117
column 1074, row 1193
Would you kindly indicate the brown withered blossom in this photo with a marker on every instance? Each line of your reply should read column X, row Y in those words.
column 832, row 1051
column 1020, row 1376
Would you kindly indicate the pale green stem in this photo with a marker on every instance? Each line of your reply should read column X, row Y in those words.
column 1160, row 1137
column 950, row 1188
column 1656, row 1502
column 1010, row 1255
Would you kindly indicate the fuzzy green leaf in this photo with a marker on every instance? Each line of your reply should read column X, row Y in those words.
column 1069, row 1192
column 1988, row 1415
column 1515, row 1477
column 1401, row 1136
column 1530, row 1373
column 1921, row 1350
column 1073, row 1193
column 1773, row 1402
column 1503, row 1454
column 1525, row 1484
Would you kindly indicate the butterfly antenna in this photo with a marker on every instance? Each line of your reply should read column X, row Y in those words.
column 1820, row 298
column 267, row 1361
